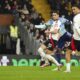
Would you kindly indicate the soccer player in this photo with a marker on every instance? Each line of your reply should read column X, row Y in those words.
column 49, row 44
column 57, row 28
column 76, row 33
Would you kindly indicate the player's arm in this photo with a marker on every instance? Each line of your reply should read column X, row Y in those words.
column 53, row 31
column 77, row 25
column 65, row 21
column 78, row 30
column 44, row 26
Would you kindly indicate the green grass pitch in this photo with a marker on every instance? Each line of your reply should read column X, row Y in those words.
column 37, row 73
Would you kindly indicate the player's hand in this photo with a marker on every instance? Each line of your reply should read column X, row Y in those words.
column 73, row 52
column 47, row 31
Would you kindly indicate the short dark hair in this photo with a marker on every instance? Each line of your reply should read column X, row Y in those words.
column 55, row 11
column 76, row 5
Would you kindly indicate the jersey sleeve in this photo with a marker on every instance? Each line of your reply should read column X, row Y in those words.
column 64, row 20
column 77, row 24
column 42, row 26
column 78, row 29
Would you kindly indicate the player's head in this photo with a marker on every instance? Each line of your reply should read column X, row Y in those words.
column 55, row 15
column 76, row 8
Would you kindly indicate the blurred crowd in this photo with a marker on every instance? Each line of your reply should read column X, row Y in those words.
column 64, row 7
column 9, row 6
column 28, row 16
column 25, row 15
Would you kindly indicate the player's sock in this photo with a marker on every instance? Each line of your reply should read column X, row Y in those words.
column 41, row 52
column 52, row 59
column 58, row 57
column 46, row 60
column 68, row 67
column 43, row 56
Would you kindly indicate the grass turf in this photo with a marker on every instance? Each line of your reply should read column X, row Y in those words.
column 37, row 73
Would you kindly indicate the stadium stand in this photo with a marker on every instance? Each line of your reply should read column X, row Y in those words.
column 26, row 16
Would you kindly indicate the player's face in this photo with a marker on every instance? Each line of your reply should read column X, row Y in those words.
column 55, row 16
column 75, row 10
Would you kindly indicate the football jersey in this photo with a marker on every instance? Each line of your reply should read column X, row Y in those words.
column 76, row 27
column 55, row 25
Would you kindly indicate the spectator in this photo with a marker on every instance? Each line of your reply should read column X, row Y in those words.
column 14, row 34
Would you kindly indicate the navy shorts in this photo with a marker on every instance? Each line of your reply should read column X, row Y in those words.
column 62, row 41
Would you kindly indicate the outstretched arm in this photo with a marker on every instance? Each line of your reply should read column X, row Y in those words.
column 43, row 26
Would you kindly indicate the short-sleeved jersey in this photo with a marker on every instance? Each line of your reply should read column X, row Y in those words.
column 76, row 27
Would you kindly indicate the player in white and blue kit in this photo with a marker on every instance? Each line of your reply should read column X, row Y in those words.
column 49, row 44
column 58, row 30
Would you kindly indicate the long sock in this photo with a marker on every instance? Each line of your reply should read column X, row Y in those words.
column 43, row 55
column 58, row 57
column 68, row 66
column 41, row 52
column 52, row 59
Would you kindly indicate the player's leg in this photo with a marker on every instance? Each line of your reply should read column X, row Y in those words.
column 77, row 44
column 61, row 45
column 47, row 62
column 41, row 51
column 49, row 56
column 52, row 59
column 57, row 52
column 73, row 46
column 49, row 51
column 58, row 55
column 68, row 58
column 68, row 52
column 42, row 54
